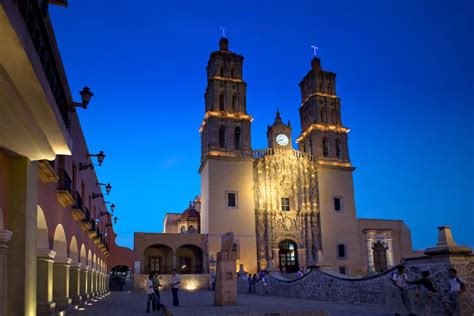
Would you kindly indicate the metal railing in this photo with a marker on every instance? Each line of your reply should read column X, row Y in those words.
column 78, row 201
column 64, row 182
column 35, row 15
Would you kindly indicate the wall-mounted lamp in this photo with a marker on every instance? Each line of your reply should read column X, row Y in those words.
column 112, row 206
column 86, row 95
column 97, row 195
column 100, row 157
column 107, row 186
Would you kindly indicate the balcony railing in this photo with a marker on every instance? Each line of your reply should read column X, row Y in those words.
column 64, row 182
column 284, row 152
column 78, row 201
column 37, row 22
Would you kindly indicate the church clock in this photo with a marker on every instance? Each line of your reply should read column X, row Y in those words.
column 282, row 139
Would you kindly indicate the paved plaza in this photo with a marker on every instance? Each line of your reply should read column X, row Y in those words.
column 201, row 303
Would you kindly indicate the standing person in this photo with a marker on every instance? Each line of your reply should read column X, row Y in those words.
column 213, row 280
column 428, row 291
column 265, row 284
column 176, row 280
column 150, row 293
column 451, row 301
column 254, row 281
column 249, row 280
column 156, row 289
column 399, row 279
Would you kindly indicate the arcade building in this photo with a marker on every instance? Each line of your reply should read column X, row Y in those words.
column 287, row 207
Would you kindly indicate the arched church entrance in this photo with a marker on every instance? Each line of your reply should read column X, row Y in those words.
column 288, row 256
column 158, row 258
column 380, row 257
column 189, row 259
column 120, row 278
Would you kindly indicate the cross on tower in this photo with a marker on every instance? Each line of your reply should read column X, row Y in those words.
column 223, row 28
column 315, row 48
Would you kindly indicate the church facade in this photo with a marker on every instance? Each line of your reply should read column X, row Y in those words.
column 288, row 208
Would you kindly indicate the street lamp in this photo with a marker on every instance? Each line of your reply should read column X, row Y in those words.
column 112, row 206
column 86, row 95
column 107, row 186
column 115, row 220
column 100, row 157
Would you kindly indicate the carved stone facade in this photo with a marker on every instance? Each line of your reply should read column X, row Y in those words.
column 281, row 174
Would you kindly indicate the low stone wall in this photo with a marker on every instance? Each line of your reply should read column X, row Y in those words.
column 378, row 289
column 190, row 282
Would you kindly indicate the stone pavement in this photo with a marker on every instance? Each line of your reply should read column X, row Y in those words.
column 201, row 303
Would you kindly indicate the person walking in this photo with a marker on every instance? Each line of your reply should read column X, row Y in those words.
column 176, row 280
column 150, row 293
column 212, row 280
column 456, row 286
column 399, row 280
column 428, row 291
column 156, row 289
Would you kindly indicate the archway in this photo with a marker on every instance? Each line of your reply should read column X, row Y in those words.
column 120, row 278
column 42, row 241
column 380, row 257
column 288, row 255
column 189, row 259
column 83, row 255
column 158, row 258
column 74, row 250
column 60, row 243
column 89, row 259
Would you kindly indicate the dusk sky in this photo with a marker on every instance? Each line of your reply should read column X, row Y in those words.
column 404, row 75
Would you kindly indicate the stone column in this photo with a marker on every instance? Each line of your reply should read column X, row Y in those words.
column 276, row 259
column 44, row 281
column 61, row 282
column 90, row 285
column 302, row 257
column 174, row 261
column 5, row 236
column 22, row 216
column 370, row 256
column 107, row 283
column 84, row 291
column 100, row 284
column 390, row 253
column 75, row 283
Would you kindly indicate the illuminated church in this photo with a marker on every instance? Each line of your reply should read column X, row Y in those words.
column 288, row 208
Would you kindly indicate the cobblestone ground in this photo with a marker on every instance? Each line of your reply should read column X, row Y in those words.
column 201, row 303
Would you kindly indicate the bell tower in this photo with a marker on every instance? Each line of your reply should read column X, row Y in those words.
column 325, row 137
column 227, row 196
column 225, row 130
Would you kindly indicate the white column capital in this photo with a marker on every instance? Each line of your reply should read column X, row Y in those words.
column 76, row 265
column 5, row 235
column 62, row 260
column 45, row 253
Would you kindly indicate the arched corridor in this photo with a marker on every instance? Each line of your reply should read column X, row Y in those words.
column 158, row 258
column 189, row 259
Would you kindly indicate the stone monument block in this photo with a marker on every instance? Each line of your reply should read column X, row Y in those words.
column 225, row 292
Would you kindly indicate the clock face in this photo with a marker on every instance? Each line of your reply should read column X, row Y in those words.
column 282, row 140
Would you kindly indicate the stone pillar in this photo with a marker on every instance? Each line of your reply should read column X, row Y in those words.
column 84, row 283
column 5, row 236
column 61, row 282
column 370, row 256
column 75, row 283
column 100, row 283
column 390, row 260
column 276, row 259
column 174, row 261
column 44, row 282
column 302, row 257
column 22, row 216
column 90, row 285
column 107, row 284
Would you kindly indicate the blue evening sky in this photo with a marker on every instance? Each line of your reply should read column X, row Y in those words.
column 404, row 74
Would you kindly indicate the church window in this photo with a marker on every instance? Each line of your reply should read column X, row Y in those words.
column 222, row 102
column 342, row 270
column 337, row 202
column 325, row 147
column 321, row 115
column 235, row 103
column 310, row 147
column 333, row 116
column 222, row 136
column 338, row 149
column 341, row 251
column 231, row 199
column 237, row 138
column 232, row 73
column 285, row 204
column 191, row 229
column 221, row 72
column 183, row 229
column 379, row 252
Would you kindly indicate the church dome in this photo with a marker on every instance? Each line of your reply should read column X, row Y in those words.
column 190, row 214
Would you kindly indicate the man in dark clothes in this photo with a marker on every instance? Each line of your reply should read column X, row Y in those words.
column 428, row 291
